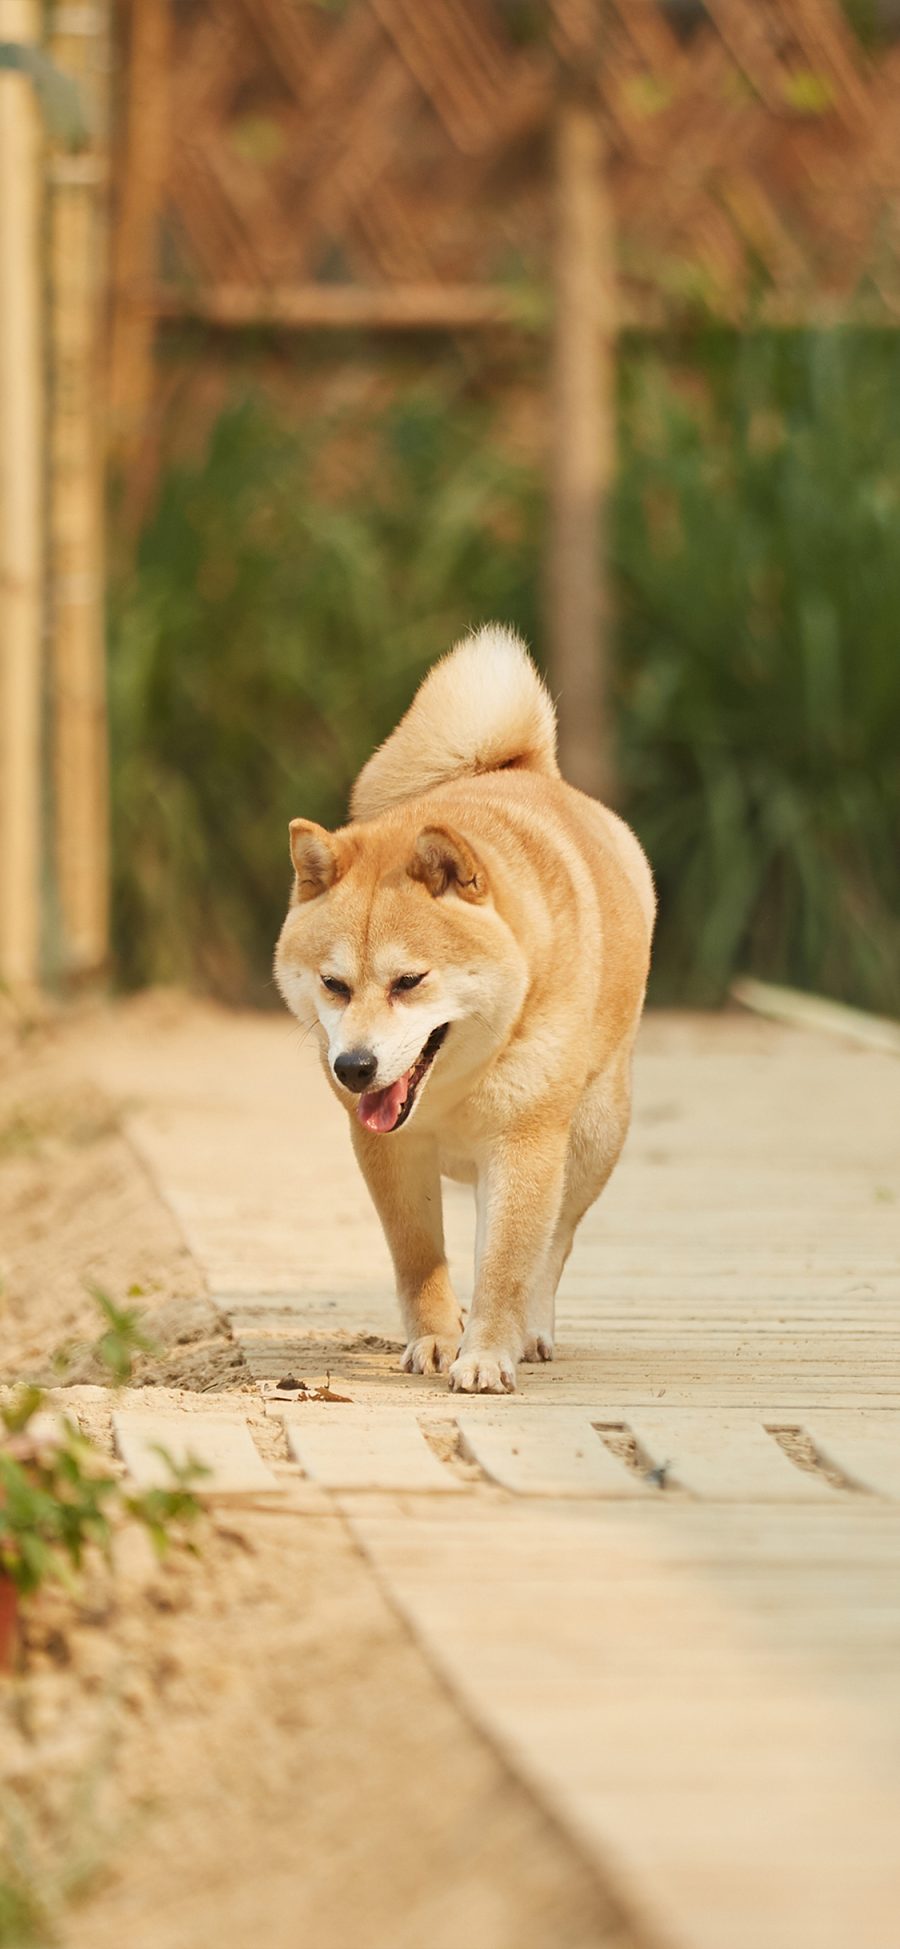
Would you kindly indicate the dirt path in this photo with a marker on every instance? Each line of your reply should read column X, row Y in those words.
column 249, row 1742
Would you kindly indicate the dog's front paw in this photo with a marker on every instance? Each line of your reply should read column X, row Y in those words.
column 483, row 1373
column 538, row 1347
column 432, row 1354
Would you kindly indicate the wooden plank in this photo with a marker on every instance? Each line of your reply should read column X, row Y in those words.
column 222, row 1444
column 314, row 307
column 347, row 1447
column 725, row 1781
column 411, row 306
column 21, row 540
column 703, row 1688
column 723, row 1456
column 818, row 1013
column 546, row 1452
column 864, row 1446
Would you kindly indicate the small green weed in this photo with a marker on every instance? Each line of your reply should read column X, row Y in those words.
column 61, row 1503
column 112, row 1356
column 19, row 1136
column 123, row 1338
column 49, row 1859
column 25, row 1922
column 58, row 1499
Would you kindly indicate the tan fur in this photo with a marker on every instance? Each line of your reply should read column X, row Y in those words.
column 529, row 909
column 481, row 707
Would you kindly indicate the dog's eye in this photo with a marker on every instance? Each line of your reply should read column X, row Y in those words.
column 404, row 983
column 336, row 987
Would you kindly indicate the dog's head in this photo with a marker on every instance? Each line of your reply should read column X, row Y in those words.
column 394, row 947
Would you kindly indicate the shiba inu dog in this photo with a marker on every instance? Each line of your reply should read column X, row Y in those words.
column 473, row 951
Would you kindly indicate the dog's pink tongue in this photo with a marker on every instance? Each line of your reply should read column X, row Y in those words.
column 379, row 1109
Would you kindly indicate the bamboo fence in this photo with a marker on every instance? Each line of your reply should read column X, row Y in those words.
column 76, row 290
column 53, row 791
column 386, row 165
column 21, row 539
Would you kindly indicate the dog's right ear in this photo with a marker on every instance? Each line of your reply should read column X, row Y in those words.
column 319, row 858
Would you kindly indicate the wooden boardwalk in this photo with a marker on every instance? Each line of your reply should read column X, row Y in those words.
column 665, row 1577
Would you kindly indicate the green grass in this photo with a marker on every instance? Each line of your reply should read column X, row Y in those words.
column 268, row 635
column 759, row 601
column 281, row 608
column 52, row 1854
column 23, row 1920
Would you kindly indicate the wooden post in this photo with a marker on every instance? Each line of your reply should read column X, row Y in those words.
column 135, row 270
column 582, row 442
column 77, row 288
column 20, row 511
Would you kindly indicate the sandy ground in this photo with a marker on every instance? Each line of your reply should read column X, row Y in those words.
column 245, row 1743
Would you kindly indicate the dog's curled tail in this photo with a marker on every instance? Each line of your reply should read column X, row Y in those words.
column 481, row 708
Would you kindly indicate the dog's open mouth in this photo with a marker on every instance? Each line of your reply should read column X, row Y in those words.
column 387, row 1109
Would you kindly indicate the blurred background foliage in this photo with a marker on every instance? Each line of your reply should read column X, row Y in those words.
column 291, row 581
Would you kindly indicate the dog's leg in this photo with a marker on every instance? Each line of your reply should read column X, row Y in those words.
column 405, row 1187
column 541, row 1325
column 519, row 1194
column 597, row 1135
column 540, row 1332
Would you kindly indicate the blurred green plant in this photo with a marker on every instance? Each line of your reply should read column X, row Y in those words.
column 287, row 595
column 61, row 1504
column 26, row 1920
column 123, row 1337
column 288, row 592
column 58, row 1499
column 758, row 600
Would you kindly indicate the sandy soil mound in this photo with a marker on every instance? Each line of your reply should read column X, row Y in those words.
column 77, row 1212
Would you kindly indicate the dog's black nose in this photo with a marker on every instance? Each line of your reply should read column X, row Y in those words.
column 355, row 1068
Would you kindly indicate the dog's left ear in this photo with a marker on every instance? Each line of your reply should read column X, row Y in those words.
column 445, row 863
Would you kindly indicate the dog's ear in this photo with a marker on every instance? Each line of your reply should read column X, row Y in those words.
column 445, row 863
column 319, row 858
